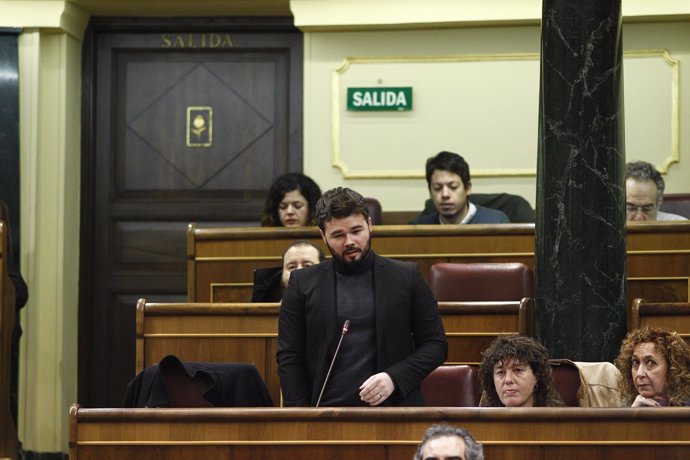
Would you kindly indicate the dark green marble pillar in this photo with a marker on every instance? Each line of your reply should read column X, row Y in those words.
column 580, row 248
column 9, row 128
column 9, row 182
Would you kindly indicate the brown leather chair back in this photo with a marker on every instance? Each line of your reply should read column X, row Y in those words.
column 451, row 386
column 566, row 380
column 375, row 211
column 500, row 282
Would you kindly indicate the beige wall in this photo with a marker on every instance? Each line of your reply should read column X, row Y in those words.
column 50, row 73
column 673, row 37
column 475, row 93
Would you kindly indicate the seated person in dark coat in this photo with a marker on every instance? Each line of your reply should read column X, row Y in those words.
column 448, row 179
column 269, row 283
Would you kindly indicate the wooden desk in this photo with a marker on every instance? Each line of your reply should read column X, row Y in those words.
column 249, row 332
column 376, row 433
column 229, row 255
column 8, row 432
column 658, row 254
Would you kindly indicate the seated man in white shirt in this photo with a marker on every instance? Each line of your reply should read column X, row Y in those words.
column 644, row 190
column 450, row 186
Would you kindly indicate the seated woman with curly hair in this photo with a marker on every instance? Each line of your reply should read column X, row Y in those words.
column 291, row 201
column 655, row 368
column 515, row 372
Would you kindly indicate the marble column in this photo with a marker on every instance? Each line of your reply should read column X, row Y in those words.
column 9, row 128
column 9, row 191
column 580, row 228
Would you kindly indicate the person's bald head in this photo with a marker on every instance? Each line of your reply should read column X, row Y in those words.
column 299, row 255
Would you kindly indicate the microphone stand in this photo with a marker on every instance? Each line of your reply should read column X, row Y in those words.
column 328, row 374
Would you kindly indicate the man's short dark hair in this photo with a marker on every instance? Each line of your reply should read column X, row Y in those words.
column 643, row 171
column 320, row 252
column 338, row 203
column 448, row 161
column 473, row 449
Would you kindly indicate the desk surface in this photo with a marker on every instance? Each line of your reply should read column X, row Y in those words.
column 385, row 433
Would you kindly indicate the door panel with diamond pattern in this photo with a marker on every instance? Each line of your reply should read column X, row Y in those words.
column 178, row 131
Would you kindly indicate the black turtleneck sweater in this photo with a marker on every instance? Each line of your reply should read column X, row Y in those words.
column 356, row 360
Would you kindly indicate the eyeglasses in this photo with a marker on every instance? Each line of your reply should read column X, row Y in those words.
column 645, row 209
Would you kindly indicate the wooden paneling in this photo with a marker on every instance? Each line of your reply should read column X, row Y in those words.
column 380, row 433
column 231, row 292
column 249, row 332
column 229, row 255
column 658, row 254
column 671, row 316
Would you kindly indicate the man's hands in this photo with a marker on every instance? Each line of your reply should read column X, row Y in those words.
column 376, row 389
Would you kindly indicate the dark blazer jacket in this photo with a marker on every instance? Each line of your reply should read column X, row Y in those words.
column 266, row 286
column 410, row 339
column 226, row 385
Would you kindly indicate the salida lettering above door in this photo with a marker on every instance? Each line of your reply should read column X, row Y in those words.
column 192, row 40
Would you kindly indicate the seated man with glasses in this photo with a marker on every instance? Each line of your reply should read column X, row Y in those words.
column 644, row 190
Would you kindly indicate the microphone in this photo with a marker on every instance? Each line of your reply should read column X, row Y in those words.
column 346, row 325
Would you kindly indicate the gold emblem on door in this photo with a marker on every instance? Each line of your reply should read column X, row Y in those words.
column 199, row 126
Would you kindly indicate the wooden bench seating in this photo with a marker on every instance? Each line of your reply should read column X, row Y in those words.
column 220, row 261
column 672, row 316
column 229, row 255
column 246, row 332
column 376, row 434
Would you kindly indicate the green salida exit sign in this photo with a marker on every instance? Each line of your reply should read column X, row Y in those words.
column 379, row 99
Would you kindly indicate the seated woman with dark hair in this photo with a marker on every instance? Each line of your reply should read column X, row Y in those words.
column 291, row 201
column 655, row 368
column 515, row 372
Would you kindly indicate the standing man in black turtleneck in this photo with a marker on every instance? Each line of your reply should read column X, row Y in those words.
column 395, row 336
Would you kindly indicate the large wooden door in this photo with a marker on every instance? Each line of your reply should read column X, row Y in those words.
column 184, row 121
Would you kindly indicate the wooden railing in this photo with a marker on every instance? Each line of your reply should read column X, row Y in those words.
column 249, row 332
column 220, row 261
